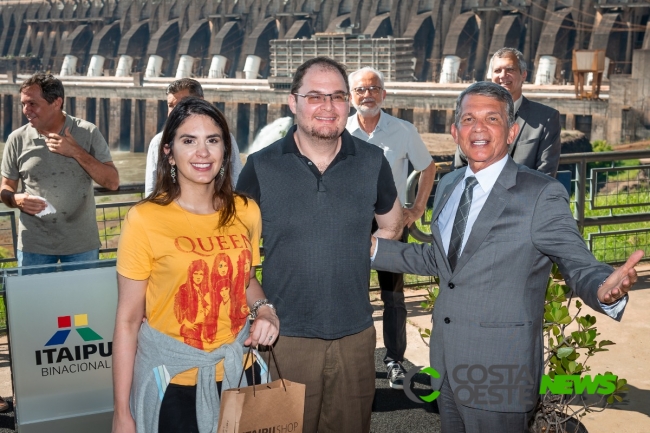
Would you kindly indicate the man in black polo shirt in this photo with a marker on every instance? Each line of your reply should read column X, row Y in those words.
column 319, row 189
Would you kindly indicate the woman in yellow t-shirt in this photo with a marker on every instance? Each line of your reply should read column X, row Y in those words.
column 175, row 269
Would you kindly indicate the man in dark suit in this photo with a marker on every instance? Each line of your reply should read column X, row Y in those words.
column 537, row 144
column 497, row 228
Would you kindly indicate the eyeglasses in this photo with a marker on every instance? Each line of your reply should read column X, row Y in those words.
column 374, row 90
column 321, row 98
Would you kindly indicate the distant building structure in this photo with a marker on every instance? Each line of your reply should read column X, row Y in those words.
column 393, row 57
column 136, row 42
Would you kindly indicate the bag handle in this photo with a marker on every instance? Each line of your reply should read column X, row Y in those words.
column 277, row 367
column 249, row 354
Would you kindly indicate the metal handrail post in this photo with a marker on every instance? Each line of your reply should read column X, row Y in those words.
column 14, row 233
column 581, row 192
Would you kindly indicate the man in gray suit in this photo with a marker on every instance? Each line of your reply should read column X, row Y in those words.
column 537, row 144
column 497, row 228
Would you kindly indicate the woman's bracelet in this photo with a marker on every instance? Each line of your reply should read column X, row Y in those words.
column 259, row 303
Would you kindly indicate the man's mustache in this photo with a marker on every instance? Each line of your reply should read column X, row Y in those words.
column 364, row 100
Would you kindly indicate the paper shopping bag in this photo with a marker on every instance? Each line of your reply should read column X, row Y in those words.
column 276, row 407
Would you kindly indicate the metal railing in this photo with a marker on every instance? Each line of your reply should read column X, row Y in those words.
column 109, row 222
column 610, row 201
column 8, row 236
column 620, row 193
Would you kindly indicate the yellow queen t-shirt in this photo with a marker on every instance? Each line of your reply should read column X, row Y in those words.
column 197, row 272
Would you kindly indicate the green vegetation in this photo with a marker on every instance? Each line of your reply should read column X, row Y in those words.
column 600, row 146
column 604, row 146
column 569, row 343
column 124, row 198
column 620, row 240
column 110, row 223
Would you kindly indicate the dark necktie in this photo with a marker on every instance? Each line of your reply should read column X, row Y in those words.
column 460, row 222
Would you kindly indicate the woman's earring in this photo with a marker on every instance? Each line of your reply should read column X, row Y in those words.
column 221, row 171
column 173, row 173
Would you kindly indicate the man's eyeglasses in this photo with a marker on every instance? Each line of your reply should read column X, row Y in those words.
column 374, row 90
column 321, row 98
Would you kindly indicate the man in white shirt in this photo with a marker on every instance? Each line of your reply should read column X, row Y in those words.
column 176, row 91
column 498, row 227
column 401, row 144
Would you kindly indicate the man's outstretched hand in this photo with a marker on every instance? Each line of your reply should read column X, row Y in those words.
column 620, row 281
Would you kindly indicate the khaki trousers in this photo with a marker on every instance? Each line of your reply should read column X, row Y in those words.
column 339, row 376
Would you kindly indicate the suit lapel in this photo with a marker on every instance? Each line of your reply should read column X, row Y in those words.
column 439, row 205
column 446, row 193
column 492, row 209
column 521, row 116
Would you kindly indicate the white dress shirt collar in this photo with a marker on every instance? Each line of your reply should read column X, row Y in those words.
column 489, row 175
column 383, row 122
column 353, row 123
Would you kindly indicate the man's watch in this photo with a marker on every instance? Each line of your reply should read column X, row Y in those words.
column 259, row 303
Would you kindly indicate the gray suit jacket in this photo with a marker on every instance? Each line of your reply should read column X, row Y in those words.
column 538, row 144
column 490, row 309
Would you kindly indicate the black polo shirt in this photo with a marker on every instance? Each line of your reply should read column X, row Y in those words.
column 315, row 231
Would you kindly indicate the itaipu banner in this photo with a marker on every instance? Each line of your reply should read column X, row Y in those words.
column 61, row 336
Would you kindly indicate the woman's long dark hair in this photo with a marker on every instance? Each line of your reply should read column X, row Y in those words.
column 165, row 191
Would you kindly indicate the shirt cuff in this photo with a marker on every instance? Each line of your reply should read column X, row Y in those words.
column 372, row 259
column 615, row 310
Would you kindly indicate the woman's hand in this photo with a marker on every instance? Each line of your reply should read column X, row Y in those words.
column 265, row 328
column 123, row 424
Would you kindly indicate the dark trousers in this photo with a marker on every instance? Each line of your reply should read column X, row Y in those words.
column 394, row 318
column 178, row 408
column 456, row 418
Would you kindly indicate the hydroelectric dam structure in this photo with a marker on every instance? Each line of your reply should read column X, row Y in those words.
column 115, row 57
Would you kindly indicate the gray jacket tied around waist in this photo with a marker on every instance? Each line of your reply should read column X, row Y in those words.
column 160, row 357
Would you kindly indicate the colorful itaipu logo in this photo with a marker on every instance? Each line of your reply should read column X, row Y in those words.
column 81, row 326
